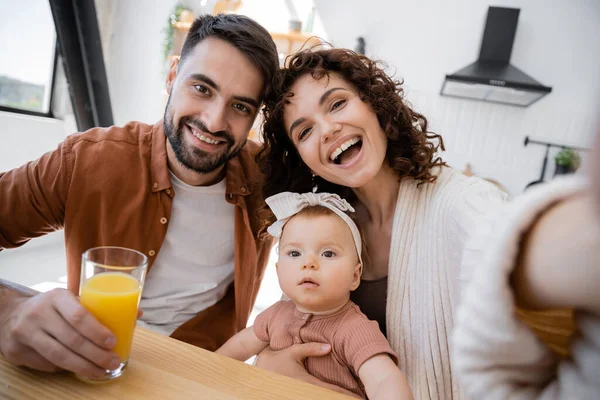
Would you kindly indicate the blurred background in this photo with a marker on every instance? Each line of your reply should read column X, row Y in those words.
column 66, row 66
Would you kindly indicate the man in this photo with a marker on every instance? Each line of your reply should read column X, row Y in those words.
column 185, row 192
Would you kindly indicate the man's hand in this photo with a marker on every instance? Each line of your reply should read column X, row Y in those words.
column 52, row 331
column 290, row 362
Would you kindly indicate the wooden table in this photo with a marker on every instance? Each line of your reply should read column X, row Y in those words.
column 163, row 368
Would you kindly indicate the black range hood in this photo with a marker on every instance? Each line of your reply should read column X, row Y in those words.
column 491, row 78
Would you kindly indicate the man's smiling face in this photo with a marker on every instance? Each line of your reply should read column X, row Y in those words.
column 214, row 96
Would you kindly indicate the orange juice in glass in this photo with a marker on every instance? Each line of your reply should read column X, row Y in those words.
column 112, row 279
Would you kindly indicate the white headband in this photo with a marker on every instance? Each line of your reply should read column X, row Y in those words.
column 287, row 204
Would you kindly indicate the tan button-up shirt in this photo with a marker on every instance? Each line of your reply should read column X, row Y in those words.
column 111, row 187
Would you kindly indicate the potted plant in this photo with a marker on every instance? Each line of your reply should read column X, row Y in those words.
column 567, row 161
column 178, row 24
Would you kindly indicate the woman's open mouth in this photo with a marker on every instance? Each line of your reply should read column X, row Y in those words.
column 347, row 151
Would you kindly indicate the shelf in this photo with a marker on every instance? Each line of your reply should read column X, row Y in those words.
column 293, row 36
column 183, row 25
column 296, row 40
column 287, row 42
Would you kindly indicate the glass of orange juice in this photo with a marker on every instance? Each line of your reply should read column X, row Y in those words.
column 112, row 279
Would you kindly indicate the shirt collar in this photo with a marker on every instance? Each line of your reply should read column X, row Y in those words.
column 235, row 177
column 159, row 173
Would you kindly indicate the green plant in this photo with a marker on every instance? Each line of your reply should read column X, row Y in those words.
column 568, row 158
column 170, row 28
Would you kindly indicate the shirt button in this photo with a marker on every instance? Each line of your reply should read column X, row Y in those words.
column 230, row 196
column 243, row 190
column 151, row 253
column 155, row 185
column 163, row 220
column 168, row 191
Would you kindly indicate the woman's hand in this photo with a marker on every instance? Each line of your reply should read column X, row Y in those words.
column 290, row 362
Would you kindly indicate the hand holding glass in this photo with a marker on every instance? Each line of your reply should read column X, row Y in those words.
column 112, row 279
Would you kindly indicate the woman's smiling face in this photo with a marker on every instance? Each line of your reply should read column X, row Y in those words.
column 337, row 135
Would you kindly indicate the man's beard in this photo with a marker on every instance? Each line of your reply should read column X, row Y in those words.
column 192, row 157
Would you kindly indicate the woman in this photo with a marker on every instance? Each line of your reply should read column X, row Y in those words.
column 337, row 123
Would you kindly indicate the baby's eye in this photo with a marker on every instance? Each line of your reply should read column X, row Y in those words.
column 293, row 253
column 328, row 254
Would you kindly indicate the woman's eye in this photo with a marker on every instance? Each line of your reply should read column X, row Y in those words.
column 338, row 104
column 242, row 108
column 201, row 88
column 328, row 254
column 303, row 133
column 294, row 253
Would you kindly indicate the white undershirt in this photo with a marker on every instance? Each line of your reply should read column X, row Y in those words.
column 194, row 266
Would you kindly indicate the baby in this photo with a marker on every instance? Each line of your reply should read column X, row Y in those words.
column 319, row 265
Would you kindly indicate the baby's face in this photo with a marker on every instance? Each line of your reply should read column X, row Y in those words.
column 318, row 263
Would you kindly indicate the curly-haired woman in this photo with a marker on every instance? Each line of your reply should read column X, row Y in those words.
column 336, row 122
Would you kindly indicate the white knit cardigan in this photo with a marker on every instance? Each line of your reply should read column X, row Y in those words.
column 494, row 354
column 432, row 223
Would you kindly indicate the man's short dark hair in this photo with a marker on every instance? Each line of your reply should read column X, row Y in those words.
column 243, row 33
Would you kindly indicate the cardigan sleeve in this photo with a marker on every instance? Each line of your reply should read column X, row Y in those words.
column 494, row 354
column 476, row 199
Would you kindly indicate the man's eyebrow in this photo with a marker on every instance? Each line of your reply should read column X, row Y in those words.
column 203, row 78
column 253, row 102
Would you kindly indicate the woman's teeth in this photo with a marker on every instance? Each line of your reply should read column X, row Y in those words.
column 343, row 147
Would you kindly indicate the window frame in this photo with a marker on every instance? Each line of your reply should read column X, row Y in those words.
column 48, row 114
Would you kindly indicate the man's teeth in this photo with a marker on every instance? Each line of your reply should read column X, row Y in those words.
column 343, row 147
column 204, row 138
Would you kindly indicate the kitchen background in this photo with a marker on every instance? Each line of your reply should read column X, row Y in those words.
column 556, row 42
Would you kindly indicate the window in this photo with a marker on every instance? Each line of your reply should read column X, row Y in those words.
column 28, row 49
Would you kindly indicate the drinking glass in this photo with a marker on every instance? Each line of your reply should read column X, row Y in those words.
column 111, row 284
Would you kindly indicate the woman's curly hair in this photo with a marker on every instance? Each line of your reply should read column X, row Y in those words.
column 411, row 148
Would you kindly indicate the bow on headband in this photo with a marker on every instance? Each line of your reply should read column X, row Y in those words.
column 287, row 204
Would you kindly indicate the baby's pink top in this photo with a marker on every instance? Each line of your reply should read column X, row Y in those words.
column 352, row 336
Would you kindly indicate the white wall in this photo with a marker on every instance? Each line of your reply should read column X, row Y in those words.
column 133, row 35
column 24, row 138
column 135, row 67
column 556, row 43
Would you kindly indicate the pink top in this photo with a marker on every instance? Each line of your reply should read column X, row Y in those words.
column 352, row 336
